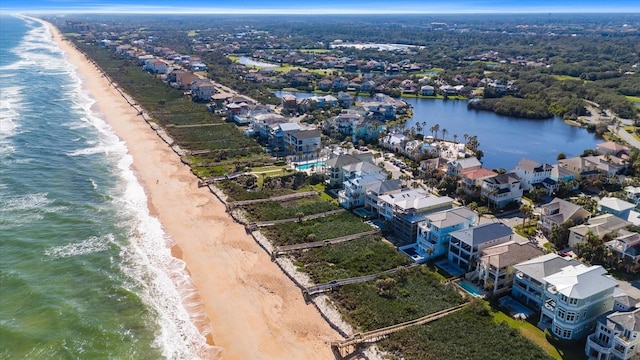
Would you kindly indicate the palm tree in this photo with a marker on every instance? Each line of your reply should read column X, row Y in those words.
column 466, row 137
column 444, row 132
column 434, row 129
column 527, row 212
column 455, row 138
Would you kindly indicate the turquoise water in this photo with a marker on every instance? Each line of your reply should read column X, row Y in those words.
column 85, row 272
column 317, row 165
column 470, row 288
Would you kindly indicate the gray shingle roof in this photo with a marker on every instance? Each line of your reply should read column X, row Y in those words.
column 545, row 265
column 481, row 234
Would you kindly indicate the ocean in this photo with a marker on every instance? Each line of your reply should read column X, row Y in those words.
column 85, row 271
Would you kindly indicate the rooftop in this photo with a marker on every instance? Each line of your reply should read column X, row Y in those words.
column 545, row 265
column 483, row 233
column 581, row 281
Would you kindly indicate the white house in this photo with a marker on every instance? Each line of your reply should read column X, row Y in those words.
column 531, row 172
column 457, row 167
column 354, row 193
column 502, row 189
column 574, row 298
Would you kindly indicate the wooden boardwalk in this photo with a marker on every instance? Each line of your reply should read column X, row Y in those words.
column 258, row 224
column 280, row 198
column 211, row 180
column 320, row 288
column 348, row 346
column 288, row 248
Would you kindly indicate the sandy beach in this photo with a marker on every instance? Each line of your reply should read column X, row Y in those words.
column 254, row 311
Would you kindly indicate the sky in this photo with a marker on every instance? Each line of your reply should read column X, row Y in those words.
column 319, row 7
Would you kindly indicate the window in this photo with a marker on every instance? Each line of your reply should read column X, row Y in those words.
column 563, row 298
column 561, row 313
column 573, row 301
column 603, row 338
column 572, row 316
column 566, row 333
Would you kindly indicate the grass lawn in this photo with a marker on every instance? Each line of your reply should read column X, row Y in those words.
column 272, row 210
column 529, row 331
column 567, row 77
column 635, row 99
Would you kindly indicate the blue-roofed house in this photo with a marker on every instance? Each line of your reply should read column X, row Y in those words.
column 465, row 245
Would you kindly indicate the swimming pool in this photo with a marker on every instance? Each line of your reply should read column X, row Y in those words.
column 306, row 166
column 470, row 288
column 515, row 308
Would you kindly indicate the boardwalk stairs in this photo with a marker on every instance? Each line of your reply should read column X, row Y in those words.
column 320, row 288
column 344, row 348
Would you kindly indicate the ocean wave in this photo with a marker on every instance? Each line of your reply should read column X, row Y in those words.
column 11, row 102
column 167, row 287
column 88, row 246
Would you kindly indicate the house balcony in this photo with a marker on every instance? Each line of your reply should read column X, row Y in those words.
column 550, row 305
column 598, row 345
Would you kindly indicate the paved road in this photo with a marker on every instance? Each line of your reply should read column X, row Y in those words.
column 624, row 135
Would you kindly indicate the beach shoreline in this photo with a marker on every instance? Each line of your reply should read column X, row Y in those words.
column 250, row 307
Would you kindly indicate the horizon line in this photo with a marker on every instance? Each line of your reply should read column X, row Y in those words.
column 206, row 11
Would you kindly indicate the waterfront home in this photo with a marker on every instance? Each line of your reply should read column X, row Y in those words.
column 617, row 207
column 344, row 123
column 181, row 80
column 353, row 194
column 472, row 180
column 427, row 90
column 598, row 226
column 459, row 166
column 265, row 124
column 532, row 172
column 501, row 190
column 202, row 90
column 303, row 142
column 394, row 142
column 528, row 280
column 376, row 189
column 433, row 233
column 574, row 298
column 626, row 247
column 558, row 211
column 368, row 130
column 345, row 99
column 289, row 103
column 613, row 148
column 465, row 245
column 594, row 168
column 335, row 166
column 155, row 66
column 561, row 174
column 279, row 137
column 617, row 334
column 407, row 208
column 494, row 269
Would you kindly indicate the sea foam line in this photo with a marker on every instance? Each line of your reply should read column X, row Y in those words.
column 161, row 278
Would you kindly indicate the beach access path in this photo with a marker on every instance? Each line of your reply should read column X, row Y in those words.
column 253, row 310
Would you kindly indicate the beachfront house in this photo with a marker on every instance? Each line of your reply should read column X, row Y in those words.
column 305, row 143
column 558, row 211
column 376, row 189
column 502, row 190
column 528, row 281
column 494, row 269
column 335, row 165
column 202, row 90
column 406, row 209
column 617, row 334
column 465, row 245
column 574, row 298
column 532, row 172
column 353, row 195
column 433, row 234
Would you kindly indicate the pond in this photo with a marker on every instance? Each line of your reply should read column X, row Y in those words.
column 504, row 140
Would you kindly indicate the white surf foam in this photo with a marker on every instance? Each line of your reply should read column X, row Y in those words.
column 156, row 276
column 11, row 102
column 88, row 246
